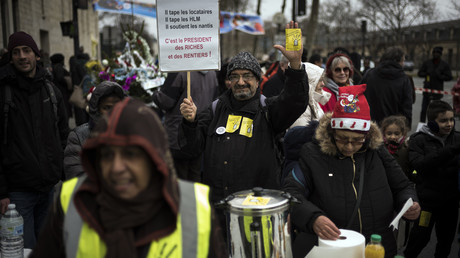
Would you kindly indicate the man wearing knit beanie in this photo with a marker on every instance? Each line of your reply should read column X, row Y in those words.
column 24, row 53
column 237, row 132
column 34, row 131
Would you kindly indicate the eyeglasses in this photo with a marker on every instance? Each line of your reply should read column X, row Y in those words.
column 354, row 142
column 339, row 70
column 236, row 77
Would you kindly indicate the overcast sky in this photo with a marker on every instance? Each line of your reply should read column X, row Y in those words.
column 270, row 7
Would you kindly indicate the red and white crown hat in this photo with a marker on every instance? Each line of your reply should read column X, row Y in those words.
column 351, row 112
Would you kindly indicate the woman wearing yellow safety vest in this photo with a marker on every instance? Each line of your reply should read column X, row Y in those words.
column 129, row 203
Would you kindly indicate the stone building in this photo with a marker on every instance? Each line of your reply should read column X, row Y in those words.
column 41, row 19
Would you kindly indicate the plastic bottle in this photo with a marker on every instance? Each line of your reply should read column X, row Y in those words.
column 12, row 242
column 374, row 249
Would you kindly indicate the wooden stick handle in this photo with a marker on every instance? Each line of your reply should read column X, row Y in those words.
column 188, row 85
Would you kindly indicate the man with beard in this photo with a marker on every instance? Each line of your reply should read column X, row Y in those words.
column 237, row 132
column 33, row 132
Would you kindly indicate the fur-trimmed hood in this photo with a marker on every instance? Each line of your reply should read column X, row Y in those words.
column 327, row 144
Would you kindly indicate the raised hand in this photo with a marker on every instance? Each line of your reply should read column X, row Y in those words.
column 294, row 57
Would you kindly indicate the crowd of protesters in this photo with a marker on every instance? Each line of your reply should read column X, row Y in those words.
column 333, row 137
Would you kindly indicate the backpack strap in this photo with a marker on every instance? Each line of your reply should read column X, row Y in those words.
column 9, row 103
column 52, row 94
column 214, row 105
column 6, row 108
column 52, row 97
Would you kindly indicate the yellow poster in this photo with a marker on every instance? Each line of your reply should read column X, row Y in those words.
column 233, row 123
column 246, row 127
column 293, row 39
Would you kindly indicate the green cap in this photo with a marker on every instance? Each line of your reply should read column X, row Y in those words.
column 376, row 238
column 399, row 256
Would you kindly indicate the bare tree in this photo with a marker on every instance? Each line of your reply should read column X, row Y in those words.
column 310, row 30
column 340, row 22
column 393, row 17
column 256, row 39
column 454, row 9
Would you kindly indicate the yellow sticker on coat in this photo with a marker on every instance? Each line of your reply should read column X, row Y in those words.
column 233, row 123
column 246, row 127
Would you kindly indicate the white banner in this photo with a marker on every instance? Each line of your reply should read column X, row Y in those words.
column 188, row 35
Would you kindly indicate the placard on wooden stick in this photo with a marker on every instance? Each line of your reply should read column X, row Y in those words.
column 188, row 35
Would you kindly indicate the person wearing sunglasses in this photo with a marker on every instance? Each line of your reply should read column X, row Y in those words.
column 339, row 72
column 348, row 179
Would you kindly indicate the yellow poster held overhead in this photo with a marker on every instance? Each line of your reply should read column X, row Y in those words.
column 293, row 39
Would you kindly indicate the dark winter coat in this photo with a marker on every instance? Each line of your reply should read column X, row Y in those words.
column 59, row 75
column 438, row 72
column 78, row 136
column 33, row 154
column 234, row 162
column 388, row 92
column 203, row 90
column 402, row 157
column 275, row 84
column 331, row 180
column 436, row 164
column 294, row 139
column 76, row 139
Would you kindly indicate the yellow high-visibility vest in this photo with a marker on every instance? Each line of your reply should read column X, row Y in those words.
column 190, row 239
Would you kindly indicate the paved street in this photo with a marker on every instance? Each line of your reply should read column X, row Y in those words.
column 416, row 108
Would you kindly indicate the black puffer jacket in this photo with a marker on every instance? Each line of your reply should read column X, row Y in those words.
column 32, row 158
column 78, row 136
column 388, row 92
column 233, row 161
column 331, row 180
column 436, row 164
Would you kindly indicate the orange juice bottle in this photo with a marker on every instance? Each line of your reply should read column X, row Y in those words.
column 374, row 249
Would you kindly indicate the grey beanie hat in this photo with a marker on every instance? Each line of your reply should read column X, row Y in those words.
column 246, row 61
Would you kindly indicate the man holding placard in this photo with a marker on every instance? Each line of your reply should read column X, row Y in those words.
column 237, row 132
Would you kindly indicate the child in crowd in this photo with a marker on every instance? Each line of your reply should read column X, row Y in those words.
column 394, row 130
column 433, row 153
